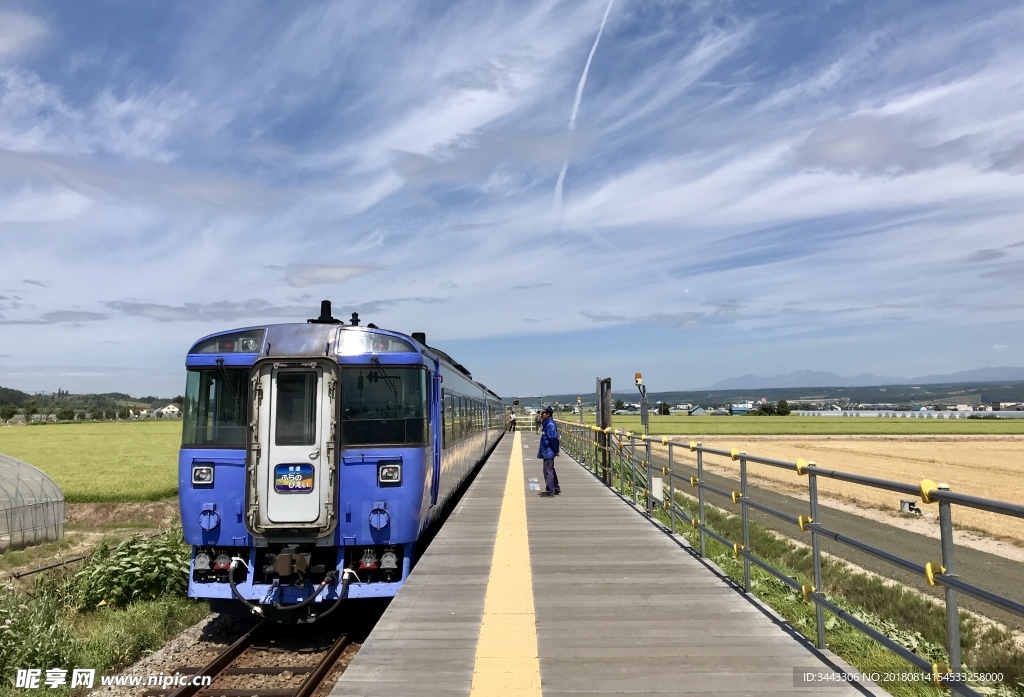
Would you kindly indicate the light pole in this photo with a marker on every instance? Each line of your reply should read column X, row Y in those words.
column 644, row 416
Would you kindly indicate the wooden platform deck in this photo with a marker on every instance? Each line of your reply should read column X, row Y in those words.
column 612, row 604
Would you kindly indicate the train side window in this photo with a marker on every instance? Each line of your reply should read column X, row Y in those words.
column 449, row 416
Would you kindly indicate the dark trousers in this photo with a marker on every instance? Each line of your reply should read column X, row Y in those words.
column 550, row 476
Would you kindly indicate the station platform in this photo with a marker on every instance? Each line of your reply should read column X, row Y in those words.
column 577, row 594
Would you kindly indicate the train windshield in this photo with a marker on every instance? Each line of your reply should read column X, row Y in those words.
column 383, row 405
column 215, row 407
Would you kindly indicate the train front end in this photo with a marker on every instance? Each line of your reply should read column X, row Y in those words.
column 306, row 466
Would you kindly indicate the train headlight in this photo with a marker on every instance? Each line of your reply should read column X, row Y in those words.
column 389, row 473
column 202, row 475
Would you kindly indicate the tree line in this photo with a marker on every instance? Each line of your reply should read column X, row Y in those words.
column 65, row 406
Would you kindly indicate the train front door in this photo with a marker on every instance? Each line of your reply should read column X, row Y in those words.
column 292, row 470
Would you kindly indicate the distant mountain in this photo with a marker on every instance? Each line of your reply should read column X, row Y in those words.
column 1003, row 374
column 805, row 378
column 811, row 378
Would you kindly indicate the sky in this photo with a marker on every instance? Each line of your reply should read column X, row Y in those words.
column 551, row 191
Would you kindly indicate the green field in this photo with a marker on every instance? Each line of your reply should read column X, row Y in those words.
column 811, row 425
column 137, row 461
column 122, row 461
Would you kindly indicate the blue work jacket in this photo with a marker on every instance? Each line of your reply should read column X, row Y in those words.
column 548, row 440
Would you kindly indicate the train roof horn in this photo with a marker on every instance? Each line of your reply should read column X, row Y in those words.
column 325, row 315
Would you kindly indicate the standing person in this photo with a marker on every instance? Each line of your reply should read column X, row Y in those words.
column 511, row 422
column 537, row 420
column 548, row 451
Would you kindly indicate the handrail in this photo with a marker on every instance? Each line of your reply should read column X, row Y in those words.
column 594, row 446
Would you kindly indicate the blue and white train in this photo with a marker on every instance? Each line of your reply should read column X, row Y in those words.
column 314, row 457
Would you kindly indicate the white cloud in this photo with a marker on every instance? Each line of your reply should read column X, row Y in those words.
column 303, row 275
column 18, row 32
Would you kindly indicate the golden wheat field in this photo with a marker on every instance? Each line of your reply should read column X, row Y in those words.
column 981, row 466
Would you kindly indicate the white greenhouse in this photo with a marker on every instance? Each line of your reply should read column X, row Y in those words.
column 31, row 506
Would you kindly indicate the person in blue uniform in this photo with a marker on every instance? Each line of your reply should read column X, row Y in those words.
column 548, row 451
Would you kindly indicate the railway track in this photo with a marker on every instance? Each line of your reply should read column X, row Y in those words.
column 268, row 662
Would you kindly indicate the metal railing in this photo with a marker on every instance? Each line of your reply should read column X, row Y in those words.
column 623, row 461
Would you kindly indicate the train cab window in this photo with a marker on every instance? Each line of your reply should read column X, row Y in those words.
column 215, row 408
column 383, row 405
column 295, row 408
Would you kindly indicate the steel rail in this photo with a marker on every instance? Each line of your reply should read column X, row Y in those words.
column 222, row 660
column 323, row 668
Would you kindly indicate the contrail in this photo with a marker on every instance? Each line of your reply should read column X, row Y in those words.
column 576, row 108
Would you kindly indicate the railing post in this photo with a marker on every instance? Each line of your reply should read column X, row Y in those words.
column 617, row 462
column 650, row 477
column 700, row 500
column 671, row 490
column 819, row 611
column 949, row 562
column 746, row 521
column 632, row 467
column 604, row 440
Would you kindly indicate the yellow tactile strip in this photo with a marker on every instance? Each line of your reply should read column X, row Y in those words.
column 507, row 662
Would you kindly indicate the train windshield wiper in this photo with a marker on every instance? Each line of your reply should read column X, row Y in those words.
column 387, row 380
column 227, row 379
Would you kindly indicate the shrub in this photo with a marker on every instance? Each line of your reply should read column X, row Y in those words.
column 138, row 568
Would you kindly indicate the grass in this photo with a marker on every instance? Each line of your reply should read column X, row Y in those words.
column 12, row 559
column 904, row 616
column 121, row 461
column 59, row 624
column 811, row 425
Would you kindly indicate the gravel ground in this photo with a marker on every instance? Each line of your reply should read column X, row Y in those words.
column 292, row 646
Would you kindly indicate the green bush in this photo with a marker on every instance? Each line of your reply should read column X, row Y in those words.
column 139, row 568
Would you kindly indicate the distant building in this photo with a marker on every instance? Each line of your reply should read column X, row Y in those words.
column 171, row 411
column 697, row 411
